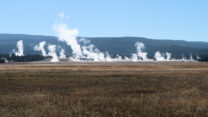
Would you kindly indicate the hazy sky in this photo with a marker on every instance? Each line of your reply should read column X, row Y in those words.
column 164, row 19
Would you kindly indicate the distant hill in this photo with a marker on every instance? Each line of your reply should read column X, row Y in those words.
column 123, row 46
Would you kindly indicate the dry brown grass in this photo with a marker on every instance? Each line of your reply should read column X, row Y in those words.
column 104, row 90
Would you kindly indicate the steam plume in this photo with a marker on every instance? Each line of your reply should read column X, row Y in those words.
column 91, row 52
column 62, row 54
column 20, row 48
column 163, row 57
column 69, row 36
column 52, row 53
column 168, row 55
column 142, row 55
column 41, row 48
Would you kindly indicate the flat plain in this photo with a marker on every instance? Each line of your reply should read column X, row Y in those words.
column 154, row 89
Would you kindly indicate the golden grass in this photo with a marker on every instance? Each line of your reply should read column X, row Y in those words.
column 104, row 90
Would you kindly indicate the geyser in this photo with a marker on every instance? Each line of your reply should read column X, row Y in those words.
column 20, row 48
column 41, row 48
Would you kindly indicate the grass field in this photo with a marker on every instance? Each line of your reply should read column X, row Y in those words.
column 164, row 89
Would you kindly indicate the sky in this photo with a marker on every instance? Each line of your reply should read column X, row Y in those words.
column 158, row 19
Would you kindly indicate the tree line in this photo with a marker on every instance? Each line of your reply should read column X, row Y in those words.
column 4, row 58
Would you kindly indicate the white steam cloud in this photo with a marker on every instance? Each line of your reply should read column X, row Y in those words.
column 62, row 54
column 52, row 53
column 41, row 48
column 69, row 36
column 161, row 57
column 141, row 54
column 90, row 52
column 20, row 48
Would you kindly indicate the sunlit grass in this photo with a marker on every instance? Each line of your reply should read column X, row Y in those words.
column 104, row 90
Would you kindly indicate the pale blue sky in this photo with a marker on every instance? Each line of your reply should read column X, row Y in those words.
column 160, row 19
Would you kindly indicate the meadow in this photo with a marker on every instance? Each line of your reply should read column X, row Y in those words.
column 154, row 89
